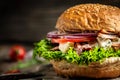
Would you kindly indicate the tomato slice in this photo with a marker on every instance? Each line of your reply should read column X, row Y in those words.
column 62, row 40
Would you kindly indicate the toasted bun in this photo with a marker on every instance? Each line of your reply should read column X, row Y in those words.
column 109, row 68
column 89, row 17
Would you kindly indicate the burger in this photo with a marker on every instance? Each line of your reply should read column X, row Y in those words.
column 86, row 42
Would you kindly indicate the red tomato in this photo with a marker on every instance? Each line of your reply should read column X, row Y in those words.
column 62, row 40
column 17, row 53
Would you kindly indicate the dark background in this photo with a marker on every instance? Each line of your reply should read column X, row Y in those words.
column 30, row 20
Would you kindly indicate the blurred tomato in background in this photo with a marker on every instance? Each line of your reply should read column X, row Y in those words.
column 17, row 52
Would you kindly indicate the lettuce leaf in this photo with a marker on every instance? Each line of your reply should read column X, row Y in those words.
column 42, row 49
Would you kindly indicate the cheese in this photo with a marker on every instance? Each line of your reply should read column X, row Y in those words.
column 64, row 47
column 104, row 42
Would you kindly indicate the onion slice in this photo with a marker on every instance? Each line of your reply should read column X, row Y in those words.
column 76, row 37
column 57, row 34
column 84, row 34
column 107, row 36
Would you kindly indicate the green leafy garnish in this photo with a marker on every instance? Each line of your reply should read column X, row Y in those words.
column 43, row 49
column 72, row 56
column 97, row 54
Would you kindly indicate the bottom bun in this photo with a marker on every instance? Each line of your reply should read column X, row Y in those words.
column 66, row 69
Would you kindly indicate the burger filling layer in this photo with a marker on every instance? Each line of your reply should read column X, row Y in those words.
column 79, row 48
